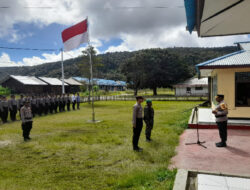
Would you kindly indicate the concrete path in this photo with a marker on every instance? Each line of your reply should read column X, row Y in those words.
column 234, row 159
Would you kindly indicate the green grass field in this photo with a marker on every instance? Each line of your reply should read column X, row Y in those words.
column 68, row 153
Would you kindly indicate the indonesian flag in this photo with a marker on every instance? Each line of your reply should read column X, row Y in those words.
column 75, row 35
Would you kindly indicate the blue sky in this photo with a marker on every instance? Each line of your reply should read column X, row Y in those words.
column 114, row 26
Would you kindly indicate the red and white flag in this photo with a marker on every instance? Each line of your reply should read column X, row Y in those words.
column 75, row 35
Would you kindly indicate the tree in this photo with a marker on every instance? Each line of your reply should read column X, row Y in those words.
column 84, row 64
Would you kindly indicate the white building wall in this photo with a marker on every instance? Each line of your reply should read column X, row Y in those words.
column 182, row 91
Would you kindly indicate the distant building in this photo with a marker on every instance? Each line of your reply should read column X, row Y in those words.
column 108, row 85
column 192, row 87
column 24, row 84
column 39, row 85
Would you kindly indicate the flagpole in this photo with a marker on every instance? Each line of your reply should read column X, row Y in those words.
column 63, row 89
column 91, row 75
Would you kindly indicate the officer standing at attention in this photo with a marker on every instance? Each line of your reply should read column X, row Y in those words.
column 34, row 105
column 220, row 113
column 73, row 100
column 26, row 117
column 5, row 109
column 20, row 103
column 68, row 102
column 78, row 101
column 149, row 119
column 137, row 123
column 12, row 107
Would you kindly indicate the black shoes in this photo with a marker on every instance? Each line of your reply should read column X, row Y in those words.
column 221, row 144
column 138, row 149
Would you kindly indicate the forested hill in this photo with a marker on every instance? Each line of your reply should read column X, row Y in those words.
column 111, row 63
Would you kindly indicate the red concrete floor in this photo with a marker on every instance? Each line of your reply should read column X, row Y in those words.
column 234, row 159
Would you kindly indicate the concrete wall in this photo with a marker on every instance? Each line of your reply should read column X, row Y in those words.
column 226, row 86
column 182, row 91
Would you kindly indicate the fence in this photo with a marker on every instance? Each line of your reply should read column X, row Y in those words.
column 132, row 98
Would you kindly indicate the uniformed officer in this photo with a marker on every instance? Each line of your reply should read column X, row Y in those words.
column 40, row 105
column 68, row 102
column 34, row 106
column 64, row 99
column 52, row 104
column 20, row 103
column 60, row 100
column 220, row 113
column 46, row 108
column 56, row 103
column 78, row 101
column 73, row 99
column 5, row 109
column 12, row 103
column 149, row 119
column 26, row 117
column 137, row 122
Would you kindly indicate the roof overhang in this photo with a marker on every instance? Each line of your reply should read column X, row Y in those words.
column 218, row 17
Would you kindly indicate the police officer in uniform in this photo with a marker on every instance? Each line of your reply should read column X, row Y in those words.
column 68, row 102
column 20, row 103
column 220, row 113
column 1, row 108
column 56, row 103
column 149, row 119
column 12, row 103
column 26, row 117
column 34, row 106
column 52, row 104
column 137, row 122
column 5, row 109
column 64, row 99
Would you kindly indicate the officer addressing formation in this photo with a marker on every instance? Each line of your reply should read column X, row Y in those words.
column 220, row 113
column 30, row 106
column 138, row 121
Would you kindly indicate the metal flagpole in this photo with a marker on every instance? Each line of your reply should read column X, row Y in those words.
column 91, row 77
column 63, row 89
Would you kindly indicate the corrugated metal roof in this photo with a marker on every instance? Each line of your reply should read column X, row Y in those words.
column 239, row 58
column 193, row 82
column 102, row 82
column 28, row 80
column 72, row 82
column 52, row 81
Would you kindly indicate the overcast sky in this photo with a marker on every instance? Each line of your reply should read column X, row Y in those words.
column 115, row 25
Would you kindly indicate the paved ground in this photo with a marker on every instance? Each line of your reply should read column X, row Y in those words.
column 235, row 159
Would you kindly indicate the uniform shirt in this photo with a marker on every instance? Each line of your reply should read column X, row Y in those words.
column 20, row 103
column 26, row 114
column 34, row 101
column 222, row 112
column 137, row 112
column 68, row 99
column 11, row 103
column 148, row 113
column 5, row 104
column 73, row 98
column 78, row 99
column 47, row 100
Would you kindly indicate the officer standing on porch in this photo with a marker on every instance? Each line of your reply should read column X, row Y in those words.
column 26, row 117
column 137, row 123
column 220, row 113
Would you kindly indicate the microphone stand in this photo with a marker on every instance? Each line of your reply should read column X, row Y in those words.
column 197, row 128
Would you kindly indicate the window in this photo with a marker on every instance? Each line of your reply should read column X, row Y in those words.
column 199, row 88
column 188, row 90
column 242, row 89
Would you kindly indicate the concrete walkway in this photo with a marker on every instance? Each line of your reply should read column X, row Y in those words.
column 234, row 159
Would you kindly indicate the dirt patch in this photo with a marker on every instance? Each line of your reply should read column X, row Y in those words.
column 4, row 143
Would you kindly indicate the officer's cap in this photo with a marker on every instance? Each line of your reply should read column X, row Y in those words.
column 149, row 101
column 139, row 97
column 220, row 96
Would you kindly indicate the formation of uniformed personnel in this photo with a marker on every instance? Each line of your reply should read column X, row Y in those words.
column 39, row 105
column 220, row 113
column 149, row 119
column 12, row 105
column 137, row 122
column 26, row 117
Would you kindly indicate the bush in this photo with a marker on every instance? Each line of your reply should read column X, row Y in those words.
column 5, row 91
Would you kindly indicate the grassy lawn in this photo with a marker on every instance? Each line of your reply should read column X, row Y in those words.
column 66, row 152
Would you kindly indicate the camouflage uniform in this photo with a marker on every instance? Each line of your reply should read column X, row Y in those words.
column 149, row 120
